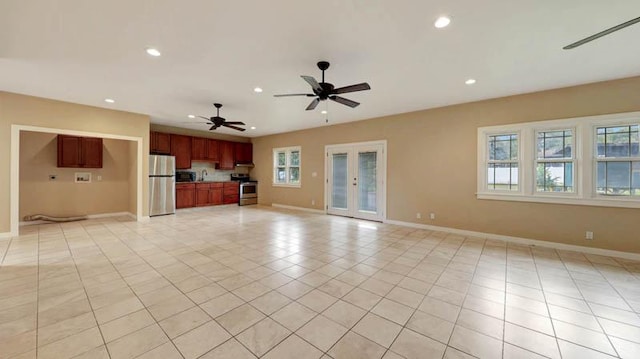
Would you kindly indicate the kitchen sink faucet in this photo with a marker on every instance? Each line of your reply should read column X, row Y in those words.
column 204, row 173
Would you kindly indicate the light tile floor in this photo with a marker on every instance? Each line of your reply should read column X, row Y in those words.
column 241, row 282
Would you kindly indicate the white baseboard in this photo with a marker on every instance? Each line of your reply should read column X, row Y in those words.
column 91, row 216
column 311, row 210
column 524, row 241
column 5, row 235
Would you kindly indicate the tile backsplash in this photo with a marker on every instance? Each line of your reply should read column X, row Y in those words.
column 212, row 173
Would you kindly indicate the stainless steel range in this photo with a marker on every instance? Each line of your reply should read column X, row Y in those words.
column 248, row 189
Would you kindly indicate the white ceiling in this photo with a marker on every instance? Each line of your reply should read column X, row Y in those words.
column 218, row 51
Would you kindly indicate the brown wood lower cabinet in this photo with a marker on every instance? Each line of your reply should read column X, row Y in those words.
column 231, row 192
column 209, row 194
column 185, row 195
column 206, row 194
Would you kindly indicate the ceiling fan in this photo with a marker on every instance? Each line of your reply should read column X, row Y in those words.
column 324, row 90
column 218, row 121
column 602, row 33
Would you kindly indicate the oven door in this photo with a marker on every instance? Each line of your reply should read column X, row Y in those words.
column 249, row 190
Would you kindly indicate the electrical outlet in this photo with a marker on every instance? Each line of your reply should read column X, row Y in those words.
column 418, row 215
column 53, row 177
column 432, row 216
column 313, row 202
column 99, row 178
column 588, row 235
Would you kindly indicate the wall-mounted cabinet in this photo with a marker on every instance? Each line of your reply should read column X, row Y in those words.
column 227, row 158
column 181, row 149
column 204, row 149
column 79, row 152
column 226, row 154
column 243, row 153
column 160, row 143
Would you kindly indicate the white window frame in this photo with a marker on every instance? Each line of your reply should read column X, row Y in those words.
column 609, row 159
column 584, row 157
column 287, row 151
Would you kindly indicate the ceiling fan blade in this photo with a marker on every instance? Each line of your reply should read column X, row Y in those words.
column 234, row 127
column 313, row 104
column 314, row 84
column 602, row 33
column 234, row 123
column 205, row 118
column 344, row 101
column 295, row 94
column 213, row 128
column 353, row 88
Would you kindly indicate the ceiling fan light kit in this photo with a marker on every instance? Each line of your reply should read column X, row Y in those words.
column 326, row 91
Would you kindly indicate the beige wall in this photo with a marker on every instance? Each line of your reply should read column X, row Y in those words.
column 432, row 166
column 62, row 196
column 18, row 109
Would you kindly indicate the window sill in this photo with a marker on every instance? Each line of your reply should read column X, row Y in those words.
column 286, row 185
column 564, row 199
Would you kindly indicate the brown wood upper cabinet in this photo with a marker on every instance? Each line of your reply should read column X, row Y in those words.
column 244, row 152
column 204, row 149
column 79, row 152
column 160, row 143
column 227, row 157
column 181, row 149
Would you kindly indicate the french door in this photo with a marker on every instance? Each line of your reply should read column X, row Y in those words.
column 356, row 176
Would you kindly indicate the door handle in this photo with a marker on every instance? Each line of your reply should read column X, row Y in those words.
column 355, row 184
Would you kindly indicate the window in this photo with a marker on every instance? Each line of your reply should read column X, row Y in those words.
column 286, row 166
column 585, row 161
column 502, row 167
column 618, row 161
column 554, row 161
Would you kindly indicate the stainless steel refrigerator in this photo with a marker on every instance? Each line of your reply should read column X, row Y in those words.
column 162, row 185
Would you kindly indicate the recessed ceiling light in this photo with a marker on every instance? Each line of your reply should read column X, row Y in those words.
column 153, row 52
column 442, row 21
column 470, row 81
column 109, row 100
column 191, row 116
column 257, row 89
column 324, row 112
column 253, row 127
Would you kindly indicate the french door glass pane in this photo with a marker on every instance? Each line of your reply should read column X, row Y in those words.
column 367, row 185
column 339, row 181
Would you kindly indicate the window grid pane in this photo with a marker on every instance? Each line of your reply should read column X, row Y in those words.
column 502, row 170
column 286, row 167
column 554, row 177
column 618, row 178
column 617, row 141
column 555, row 144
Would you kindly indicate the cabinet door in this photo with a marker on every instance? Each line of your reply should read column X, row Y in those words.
column 181, row 149
column 213, row 150
column 69, row 151
column 185, row 196
column 215, row 195
column 231, row 199
column 244, row 152
column 199, row 148
column 162, row 143
column 202, row 195
column 91, row 152
column 227, row 159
